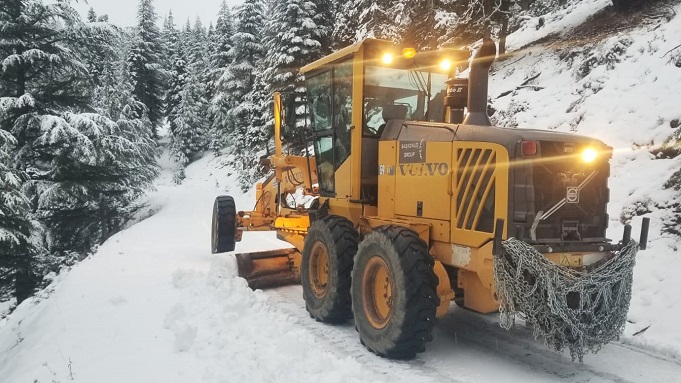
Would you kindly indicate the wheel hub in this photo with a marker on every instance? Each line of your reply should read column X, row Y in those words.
column 377, row 292
column 319, row 269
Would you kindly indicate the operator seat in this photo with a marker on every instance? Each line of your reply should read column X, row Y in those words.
column 392, row 112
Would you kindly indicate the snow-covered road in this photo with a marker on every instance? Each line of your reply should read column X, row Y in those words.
column 153, row 305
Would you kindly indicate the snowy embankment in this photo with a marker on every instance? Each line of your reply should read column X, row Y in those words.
column 622, row 88
column 153, row 305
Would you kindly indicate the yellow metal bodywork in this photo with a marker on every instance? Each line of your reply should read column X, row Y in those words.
column 291, row 174
column 430, row 187
column 444, row 290
column 436, row 198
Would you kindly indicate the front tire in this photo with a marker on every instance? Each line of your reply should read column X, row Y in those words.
column 328, row 251
column 223, row 229
column 394, row 293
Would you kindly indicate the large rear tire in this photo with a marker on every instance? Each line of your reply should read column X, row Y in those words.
column 394, row 293
column 328, row 251
column 223, row 228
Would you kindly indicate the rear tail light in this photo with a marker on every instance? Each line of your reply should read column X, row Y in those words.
column 529, row 148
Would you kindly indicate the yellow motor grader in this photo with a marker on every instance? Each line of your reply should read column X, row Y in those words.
column 416, row 200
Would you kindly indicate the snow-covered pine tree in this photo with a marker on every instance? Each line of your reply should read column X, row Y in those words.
column 190, row 123
column 293, row 39
column 90, row 190
column 68, row 156
column 257, row 132
column 91, row 15
column 98, row 50
column 15, row 229
column 221, row 44
column 467, row 21
column 41, row 75
column 198, row 46
column 416, row 22
column 376, row 20
column 211, row 46
column 231, row 115
column 169, row 42
column 145, row 64
column 178, row 80
column 178, row 74
column 346, row 24
column 324, row 18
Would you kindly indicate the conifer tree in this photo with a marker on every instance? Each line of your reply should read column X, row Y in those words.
column 324, row 18
column 189, row 119
column 416, row 23
column 15, row 228
column 190, row 123
column 145, row 64
column 169, row 40
column 82, row 168
column 221, row 45
column 346, row 25
column 376, row 19
column 230, row 110
column 198, row 46
column 293, row 40
column 91, row 15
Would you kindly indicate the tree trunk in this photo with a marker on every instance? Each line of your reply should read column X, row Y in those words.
column 505, row 5
column 24, row 283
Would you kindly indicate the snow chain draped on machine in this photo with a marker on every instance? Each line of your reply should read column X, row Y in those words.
column 581, row 309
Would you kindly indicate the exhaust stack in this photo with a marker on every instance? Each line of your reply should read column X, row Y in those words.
column 478, row 82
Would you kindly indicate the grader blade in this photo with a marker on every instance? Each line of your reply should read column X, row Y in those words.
column 269, row 268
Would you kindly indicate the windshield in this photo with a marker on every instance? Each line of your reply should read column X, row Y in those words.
column 391, row 93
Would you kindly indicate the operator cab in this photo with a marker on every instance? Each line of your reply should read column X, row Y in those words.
column 366, row 85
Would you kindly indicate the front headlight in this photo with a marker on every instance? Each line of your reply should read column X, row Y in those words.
column 446, row 64
column 589, row 155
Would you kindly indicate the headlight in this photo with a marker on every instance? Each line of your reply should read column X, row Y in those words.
column 387, row 58
column 589, row 155
column 446, row 64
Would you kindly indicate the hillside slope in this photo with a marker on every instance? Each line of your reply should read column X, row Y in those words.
column 615, row 78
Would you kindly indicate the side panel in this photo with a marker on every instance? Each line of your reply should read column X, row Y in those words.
column 342, row 177
column 387, row 154
column 422, row 179
column 480, row 191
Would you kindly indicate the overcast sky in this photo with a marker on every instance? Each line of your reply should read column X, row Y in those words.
column 124, row 12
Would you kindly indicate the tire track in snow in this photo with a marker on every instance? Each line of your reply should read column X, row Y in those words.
column 343, row 341
column 613, row 363
column 462, row 336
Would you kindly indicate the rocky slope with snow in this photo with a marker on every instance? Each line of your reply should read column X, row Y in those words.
column 614, row 77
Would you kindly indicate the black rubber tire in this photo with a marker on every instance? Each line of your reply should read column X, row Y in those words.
column 340, row 238
column 223, row 227
column 414, row 293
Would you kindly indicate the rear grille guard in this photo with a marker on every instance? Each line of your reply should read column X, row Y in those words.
column 541, row 216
